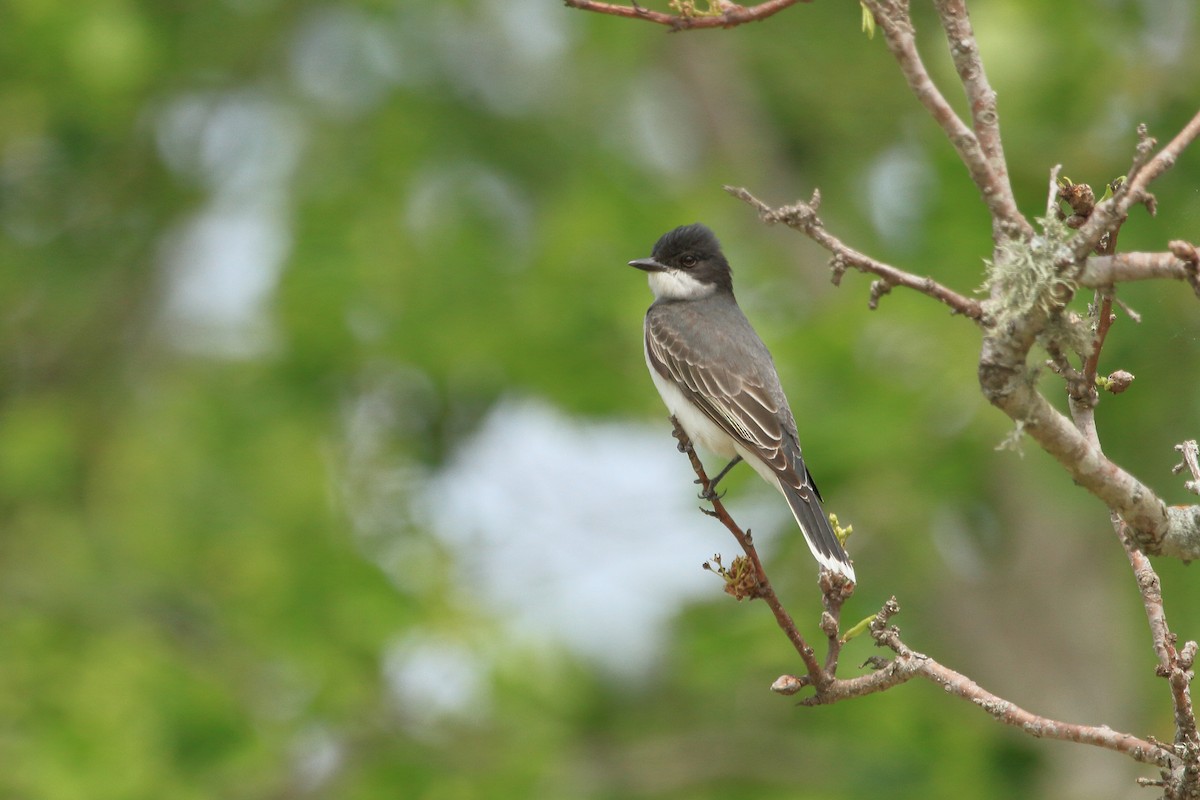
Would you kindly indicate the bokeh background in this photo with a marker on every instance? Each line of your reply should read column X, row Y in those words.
column 328, row 462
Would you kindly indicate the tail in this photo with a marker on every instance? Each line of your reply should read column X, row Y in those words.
column 805, row 503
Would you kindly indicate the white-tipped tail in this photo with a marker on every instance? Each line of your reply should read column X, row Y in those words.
column 818, row 533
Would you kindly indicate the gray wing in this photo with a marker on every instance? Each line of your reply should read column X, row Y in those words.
column 743, row 396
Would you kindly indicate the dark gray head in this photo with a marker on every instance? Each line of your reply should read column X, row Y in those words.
column 687, row 264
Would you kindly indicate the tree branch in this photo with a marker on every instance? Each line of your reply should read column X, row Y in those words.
column 1101, row 271
column 906, row 665
column 909, row 664
column 1143, row 522
column 1191, row 462
column 985, row 119
column 893, row 19
column 1174, row 665
column 803, row 217
column 1159, row 530
column 723, row 14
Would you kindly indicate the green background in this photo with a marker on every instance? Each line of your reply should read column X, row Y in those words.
column 273, row 273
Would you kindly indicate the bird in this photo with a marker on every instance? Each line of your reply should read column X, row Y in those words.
column 718, row 379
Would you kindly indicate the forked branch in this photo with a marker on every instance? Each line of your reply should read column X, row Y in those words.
column 979, row 148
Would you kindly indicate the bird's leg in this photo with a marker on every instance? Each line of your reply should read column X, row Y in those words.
column 711, row 492
column 682, row 443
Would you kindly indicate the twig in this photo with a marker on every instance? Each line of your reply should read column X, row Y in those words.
column 1172, row 664
column 909, row 664
column 1102, row 304
column 835, row 590
column 731, row 15
column 1143, row 171
column 1191, row 462
column 803, row 217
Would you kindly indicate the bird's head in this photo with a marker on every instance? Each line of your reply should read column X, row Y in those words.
column 686, row 264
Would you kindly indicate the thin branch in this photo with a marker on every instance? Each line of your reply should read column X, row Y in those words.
column 1104, row 322
column 893, row 19
column 1002, row 710
column 1102, row 305
column 803, row 217
column 1191, row 462
column 1159, row 529
column 835, row 591
column 1171, row 664
column 730, row 15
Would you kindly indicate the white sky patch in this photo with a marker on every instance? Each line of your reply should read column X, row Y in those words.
column 659, row 126
column 222, row 265
column 343, row 60
column 900, row 184
column 516, row 49
column 430, row 680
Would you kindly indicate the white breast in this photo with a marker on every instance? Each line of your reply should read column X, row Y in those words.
column 699, row 428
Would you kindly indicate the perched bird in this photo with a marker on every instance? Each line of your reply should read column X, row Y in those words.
column 718, row 379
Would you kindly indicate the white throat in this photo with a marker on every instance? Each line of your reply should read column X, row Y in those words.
column 674, row 284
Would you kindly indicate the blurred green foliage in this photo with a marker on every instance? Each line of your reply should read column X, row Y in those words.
column 198, row 598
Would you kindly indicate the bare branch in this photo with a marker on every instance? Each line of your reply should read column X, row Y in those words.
column 909, row 664
column 1173, row 664
column 1007, row 383
column 1143, row 521
column 723, row 15
column 959, row 685
column 893, row 19
column 803, row 217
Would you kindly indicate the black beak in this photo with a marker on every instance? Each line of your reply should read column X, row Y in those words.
column 647, row 264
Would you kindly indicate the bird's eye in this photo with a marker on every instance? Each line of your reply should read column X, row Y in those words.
column 689, row 261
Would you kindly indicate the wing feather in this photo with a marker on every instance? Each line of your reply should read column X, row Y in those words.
column 739, row 401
